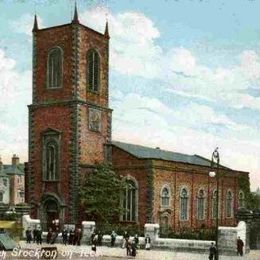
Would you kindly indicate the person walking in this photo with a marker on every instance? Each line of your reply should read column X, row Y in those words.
column 212, row 252
column 92, row 236
column 136, row 239
column 28, row 234
column 54, row 236
column 71, row 237
column 94, row 244
column 78, row 236
column 113, row 238
column 35, row 231
column 128, row 247
column 100, row 237
column 39, row 237
column 64, row 236
column 147, row 241
column 49, row 236
column 133, row 248
column 125, row 239
column 240, row 245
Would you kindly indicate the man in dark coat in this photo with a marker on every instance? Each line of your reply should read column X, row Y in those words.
column 100, row 237
column 39, row 236
column 64, row 236
column 28, row 234
column 212, row 252
column 125, row 238
column 49, row 236
column 71, row 237
column 113, row 238
column 240, row 245
column 35, row 234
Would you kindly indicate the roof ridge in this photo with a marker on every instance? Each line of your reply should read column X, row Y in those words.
column 163, row 150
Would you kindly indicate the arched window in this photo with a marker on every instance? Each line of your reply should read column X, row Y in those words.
column 229, row 204
column 165, row 197
column 184, row 204
column 130, row 202
column 51, row 161
column 54, row 68
column 241, row 199
column 201, row 205
column 51, row 140
column 214, row 204
column 1, row 196
column 93, row 70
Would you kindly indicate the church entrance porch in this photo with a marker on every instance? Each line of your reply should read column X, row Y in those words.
column 51, row 213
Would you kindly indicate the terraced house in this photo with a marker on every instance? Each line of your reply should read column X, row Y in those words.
column 11, row 183
column 70, row 131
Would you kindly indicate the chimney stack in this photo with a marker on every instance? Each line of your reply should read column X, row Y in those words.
column 15, row 160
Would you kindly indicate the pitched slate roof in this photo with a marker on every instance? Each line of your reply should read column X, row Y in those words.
column 13, row 169
column 144, row 152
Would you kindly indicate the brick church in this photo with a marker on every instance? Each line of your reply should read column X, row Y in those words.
column 70, row 131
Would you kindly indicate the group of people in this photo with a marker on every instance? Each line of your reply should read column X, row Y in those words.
column 131, row 245
column 96, row 240
column 34, row 235
column 213, row 249
column 72, row 237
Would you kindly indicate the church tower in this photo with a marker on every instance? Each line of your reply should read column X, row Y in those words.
column 69, row 118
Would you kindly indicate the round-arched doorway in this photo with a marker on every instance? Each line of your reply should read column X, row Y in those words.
column 51, row 214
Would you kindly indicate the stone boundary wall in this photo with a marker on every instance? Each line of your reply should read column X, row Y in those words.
column 28, row 222
column 227, row 242
column 227, row 238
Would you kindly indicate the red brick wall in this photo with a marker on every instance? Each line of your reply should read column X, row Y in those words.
column 57, row 117
column 175, row 176
column 127, row 165
column 75, row 43
column 45, row 40
column 92, row 142
column 93, row 40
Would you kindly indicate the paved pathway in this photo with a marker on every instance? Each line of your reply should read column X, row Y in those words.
column 84, row 252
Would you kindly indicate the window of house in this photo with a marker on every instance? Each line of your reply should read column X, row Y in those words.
column 129, row 202
column 184, row 204
column 93, row 70
column 165, row 197
column 1, row 196
column 241, row 199
column 201, row 205
column 5, row 182
column 229, row 204
column 54, row 68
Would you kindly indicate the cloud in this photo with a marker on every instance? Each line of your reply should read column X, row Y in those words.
column 147, row 121
column 25, row 24
column 15, row 89
column 133, row 50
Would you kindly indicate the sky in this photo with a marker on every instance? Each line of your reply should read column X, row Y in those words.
column 184, row 74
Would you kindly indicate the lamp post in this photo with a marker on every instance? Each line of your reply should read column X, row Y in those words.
column 215, row 161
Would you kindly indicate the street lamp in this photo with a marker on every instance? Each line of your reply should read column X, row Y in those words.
column 215, row 162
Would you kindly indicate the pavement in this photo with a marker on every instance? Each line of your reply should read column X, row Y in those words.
column 32, row 251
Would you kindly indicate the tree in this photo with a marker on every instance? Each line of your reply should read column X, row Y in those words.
column 100, row 194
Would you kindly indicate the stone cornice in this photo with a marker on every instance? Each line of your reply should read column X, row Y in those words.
column 67, row 102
